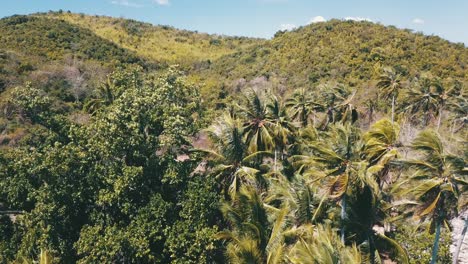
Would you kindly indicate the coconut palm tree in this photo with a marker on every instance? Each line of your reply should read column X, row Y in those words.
column 335, row 161
column 437, row 182
column 253, row 238
column 300, row 196
column 321, row 244
column 281, row 127
column 389, row 84
column 458, row 106
column 257, row 127
column 381, row 147
column 337, row 103
column 422, row 99
column 234, row 165
column 301, row 105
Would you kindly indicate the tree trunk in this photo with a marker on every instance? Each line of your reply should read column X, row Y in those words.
column 439, row 119
column 371, row 247
column 460, row 242
column 343, row 217
column 393, row 108
column 276, row 157
column 435, row 247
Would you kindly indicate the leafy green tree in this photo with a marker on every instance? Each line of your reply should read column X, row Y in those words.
column 31, row 103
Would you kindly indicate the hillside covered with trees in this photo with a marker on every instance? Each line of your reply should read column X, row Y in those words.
column 125, row 142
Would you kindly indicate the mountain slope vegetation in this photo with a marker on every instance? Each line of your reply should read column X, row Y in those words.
column 125, row 142
column 159, row 43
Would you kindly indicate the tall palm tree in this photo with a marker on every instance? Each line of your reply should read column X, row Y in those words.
column 444, row 95
column 253, row 238
column 381, row 147
column 229, row 152
column 458, row 105
column 257, row 128
column 300, row 196
column 321, row 244
column 389, row 84
column 281, row 127
column 422, row 99
column 337, row 104
column 301, row 105
column 437, row 181
column 335, row 160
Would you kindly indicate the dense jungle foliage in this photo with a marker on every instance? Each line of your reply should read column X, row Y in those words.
column 124, row 142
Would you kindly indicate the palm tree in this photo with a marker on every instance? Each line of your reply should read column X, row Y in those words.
column 337, row 104
column 458, row 105
column 381, row 147
column 253, row 238
column 445, row 96
column 335, row 159
column 437, row 182
column 281, row 127
column 299, row 195
column 105, row 95
column 230, row 153
column 301, row 106
column 321, row 244
column 389, row 84
column 257, row 128
column 422, row 99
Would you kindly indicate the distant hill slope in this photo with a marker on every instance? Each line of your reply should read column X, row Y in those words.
column 47, row 39
column 159, row 43
column 348, row 52
column 345, row 51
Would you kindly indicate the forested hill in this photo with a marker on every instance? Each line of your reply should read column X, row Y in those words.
column 345, row 51
column 126, row 142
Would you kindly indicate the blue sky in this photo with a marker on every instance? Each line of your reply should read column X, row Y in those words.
column 262, row 18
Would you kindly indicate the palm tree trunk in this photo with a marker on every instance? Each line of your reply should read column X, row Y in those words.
column 276, row 156
column 371, row 246
column 393, row 108
column 439, row 119
column 435, row 248
column 343, row 217
column 452, row 128
column 460, row 242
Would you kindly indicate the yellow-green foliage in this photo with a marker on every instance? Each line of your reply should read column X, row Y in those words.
column 349, row 52
column 160, row 43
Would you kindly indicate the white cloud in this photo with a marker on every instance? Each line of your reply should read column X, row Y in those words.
column 162, row 2
column 359, row 19
column 317, row 19
column 126, row 3
column 287, row 27
column 418, row 21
